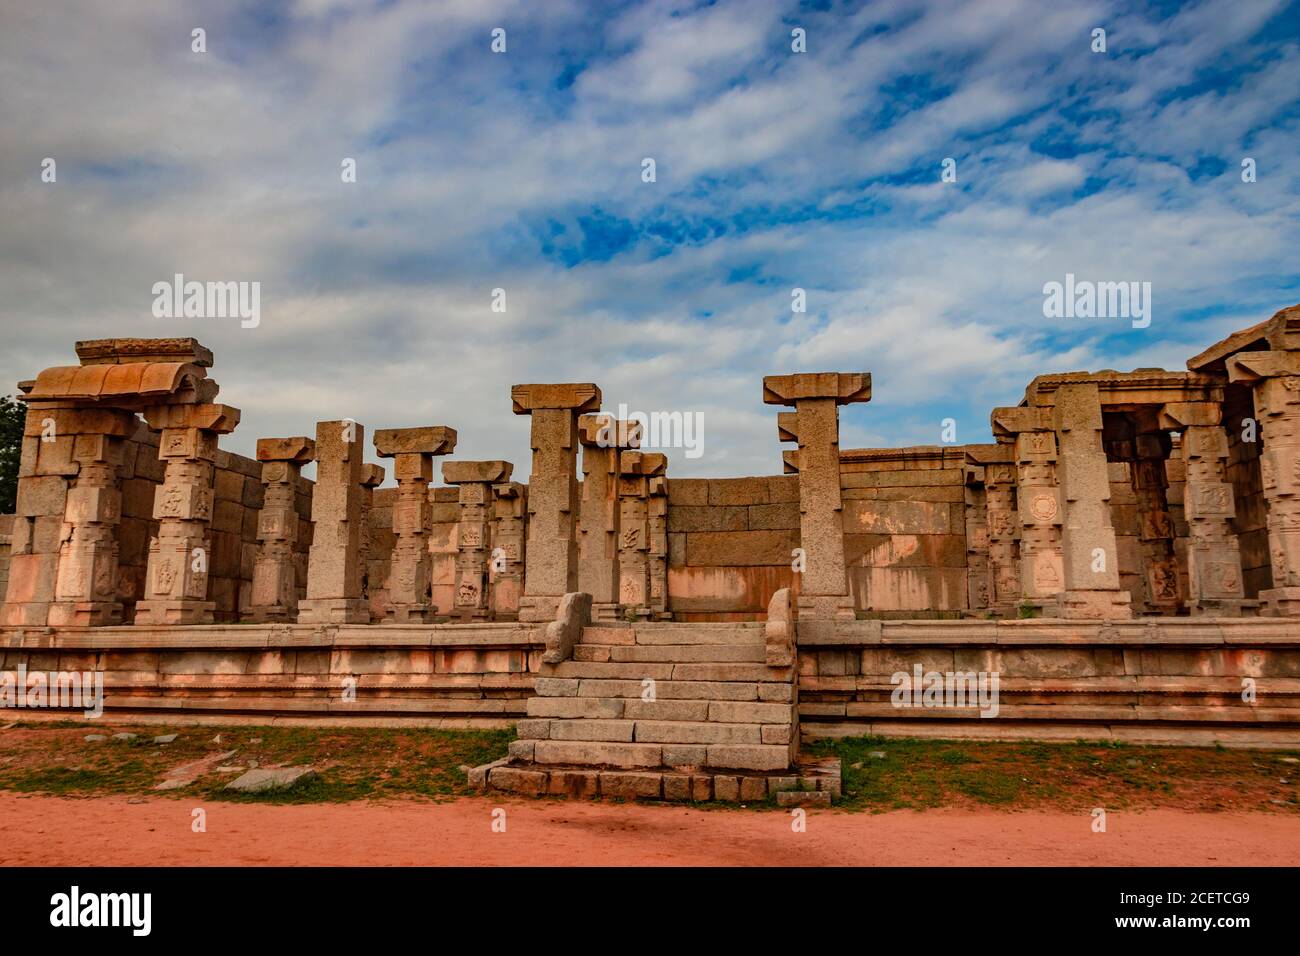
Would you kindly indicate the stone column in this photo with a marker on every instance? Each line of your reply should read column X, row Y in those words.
column 979, row 584
column 636, row 469
column 1156, row 527
column 1275, row 377
column 1088, row 539
column 1038, row 505
column 816, row 397
column 410, row 575
column 176, row 581
column 474, row 533
column 1003, row 528
column 372, row 476
column 657, row 487
column 275, row 578
column 602, row 438
column 334, row 561
column 509, row 540
column 552, row 569
column 1213, row 555
column 86, row 585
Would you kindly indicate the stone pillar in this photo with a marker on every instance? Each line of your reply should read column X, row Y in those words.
column 1003, row 529
column 979, row 584
column 816, row 397
column 275, row 577
column 657, row 524
column 1038, row 505
column 410, row 575
column 602, row 438
column 474, row 533
column 176, row 581
column 1275, row 377
column 552, row 569
column 636, row 470
column 509, row 541
column 1156, row 527
column 1215, row 586
column 334, row 561
column 1088, row 540
column 372, row 476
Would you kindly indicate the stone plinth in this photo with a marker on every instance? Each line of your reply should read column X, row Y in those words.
column 176, row 582
column 816, row 397
column 334, row 561
column 275, row 576
column 410, row 577
column 474, row 481
column 603, row 439
column 552, row 569
column 1275, row 379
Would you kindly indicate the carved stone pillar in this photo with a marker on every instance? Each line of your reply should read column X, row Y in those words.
column 1038, row 504
column 372, row 476
column 176, row 582
column 979, row 585
column 1275, row 378
column 636, row 469
column 474, row 533
column 1088, row 539
column 86, row 585
column 1156, row 528
column 1213, row 555
column 657, row 525
column 816, row 397
column 275, row 574
column 602, row 438
column 334, row 562
column 509, row 549
column 410, row 580
column 1003, row 527
column 552, row 569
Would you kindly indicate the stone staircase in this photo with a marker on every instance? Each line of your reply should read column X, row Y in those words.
column 664, row 710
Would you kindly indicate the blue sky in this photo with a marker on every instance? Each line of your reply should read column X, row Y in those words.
column 522, row 171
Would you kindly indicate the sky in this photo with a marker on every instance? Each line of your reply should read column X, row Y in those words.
column 524, row 171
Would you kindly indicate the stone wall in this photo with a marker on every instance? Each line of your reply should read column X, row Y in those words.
column 6, row 545
column 729, row 545
column 905, row 529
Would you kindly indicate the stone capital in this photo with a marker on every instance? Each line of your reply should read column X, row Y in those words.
column 1009, row 422
column 463, row 472
column 605, row 431
column 1251, row 367
column 642, row 463
column 787, row 426
column 372, row 476
column 299, row 449
column 580, row 396
column 843, row 387
column 221, row 419
column 429, row 440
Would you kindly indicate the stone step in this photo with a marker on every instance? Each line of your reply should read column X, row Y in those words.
column 674, row 653
column 590, row 753
column 700, row 709
column 750, row 672
column 637, row 688
column 686, row 635
column 653, row 731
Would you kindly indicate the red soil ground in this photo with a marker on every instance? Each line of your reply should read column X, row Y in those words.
column 48, row 830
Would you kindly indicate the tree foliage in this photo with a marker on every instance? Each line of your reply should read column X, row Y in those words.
column 12, row 415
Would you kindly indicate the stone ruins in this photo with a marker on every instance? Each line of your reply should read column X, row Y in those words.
column 1124, row 557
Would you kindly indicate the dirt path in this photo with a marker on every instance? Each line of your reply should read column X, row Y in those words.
column 42, row 830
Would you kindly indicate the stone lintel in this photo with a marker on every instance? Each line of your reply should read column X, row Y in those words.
column 605, row 431
column 214, row 418
column 463, row 472
column 300, row 449
column 642, row 463
column 990, row 454
column 580, row 396
column 1179, row 415
column 1009, row 422
column 429, row 440
column 844, row 387
column 134, row 384
column 124, row 351
column 83, row 421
